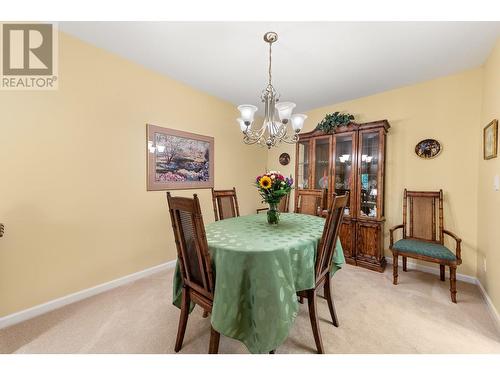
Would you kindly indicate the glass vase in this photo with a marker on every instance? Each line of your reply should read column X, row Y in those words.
column 273, row 215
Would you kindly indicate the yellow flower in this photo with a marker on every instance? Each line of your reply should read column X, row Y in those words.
column 265, row 182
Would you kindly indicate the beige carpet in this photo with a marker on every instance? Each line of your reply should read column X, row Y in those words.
column 375, row 317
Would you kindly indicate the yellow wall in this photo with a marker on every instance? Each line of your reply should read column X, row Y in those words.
column 73, row 191
column 489, row 200
column 73, row 188
column 446, row 109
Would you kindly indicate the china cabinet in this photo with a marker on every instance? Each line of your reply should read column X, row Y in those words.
column 352, row 159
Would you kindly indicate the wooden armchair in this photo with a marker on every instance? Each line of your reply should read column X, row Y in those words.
column 194, row 261
column 225, row 204
column 310, row 201
column 282, row 207
column 423, row 236
column 324, row 257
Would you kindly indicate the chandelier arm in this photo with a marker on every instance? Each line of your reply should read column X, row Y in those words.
column 291, row 140
column 285, row 137
column 281, row 130
column 250, row 141
column 251, row 133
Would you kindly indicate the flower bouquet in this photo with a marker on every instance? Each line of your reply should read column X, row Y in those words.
column 272, row 187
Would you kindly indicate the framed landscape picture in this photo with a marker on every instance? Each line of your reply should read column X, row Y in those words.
column 178, row 159
column 490, row 140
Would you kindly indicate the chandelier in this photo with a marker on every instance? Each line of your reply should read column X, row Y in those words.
column 272, row 131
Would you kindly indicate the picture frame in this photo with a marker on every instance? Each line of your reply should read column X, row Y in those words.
column 178, row 160
column 490, row 140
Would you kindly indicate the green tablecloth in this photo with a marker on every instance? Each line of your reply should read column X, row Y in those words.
column 259, row 268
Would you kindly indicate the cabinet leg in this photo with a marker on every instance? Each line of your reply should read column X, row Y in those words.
column 395, row 269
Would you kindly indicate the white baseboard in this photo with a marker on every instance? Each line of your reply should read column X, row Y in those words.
column 465, row 278
column 411, row 264
column 34, row 311
column 491, row 307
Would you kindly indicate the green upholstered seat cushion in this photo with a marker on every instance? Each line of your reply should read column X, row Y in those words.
column 429, row 249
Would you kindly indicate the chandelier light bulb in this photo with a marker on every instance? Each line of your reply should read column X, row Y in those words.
column 298, row 121
column 247, row 112
column 285, row 111
column 243, row 127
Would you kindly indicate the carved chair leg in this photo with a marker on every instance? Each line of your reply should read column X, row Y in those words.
column 213, row 347
column 329, row 299
column 185, row 302
column 453, row 283
column 395, row 269
column 404, row 264
column 441, row 272
column 205, row 314
column 313, row 316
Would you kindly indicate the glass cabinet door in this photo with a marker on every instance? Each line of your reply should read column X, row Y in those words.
column 369, row 174
column 343, row 181
column 322, row 168
column 303, row 166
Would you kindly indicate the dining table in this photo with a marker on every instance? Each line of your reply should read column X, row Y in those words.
column 258, row 270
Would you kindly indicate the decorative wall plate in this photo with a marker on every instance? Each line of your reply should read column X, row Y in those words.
column 284, row 159
column 428, row 148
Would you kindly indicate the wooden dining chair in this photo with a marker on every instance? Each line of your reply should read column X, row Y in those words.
column 194, row 262
column 282, row 206
column 225, row 204
column 423, row 236
column 324, row 255
column 310, row 201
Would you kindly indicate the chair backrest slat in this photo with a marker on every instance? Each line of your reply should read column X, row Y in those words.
column 225, row 204
column 284, row 202
column 191, row 242
column 424, row 221
column 331, row 230
column 310, row 201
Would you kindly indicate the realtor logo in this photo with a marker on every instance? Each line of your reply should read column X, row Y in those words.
column 28, row 56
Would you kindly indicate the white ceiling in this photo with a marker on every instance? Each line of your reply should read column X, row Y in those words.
column 314, row 63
